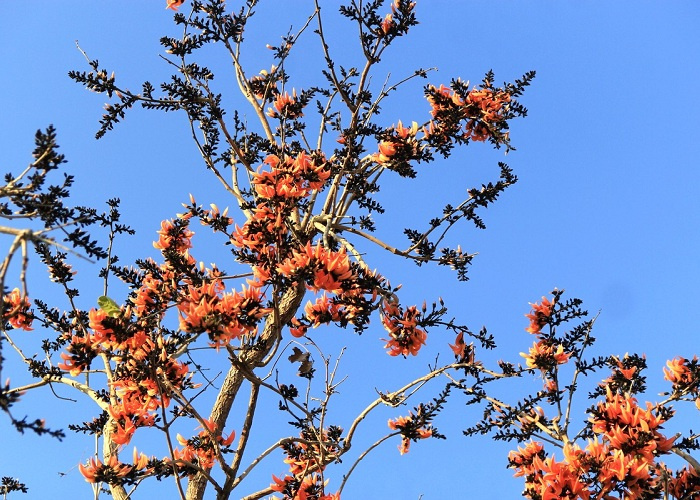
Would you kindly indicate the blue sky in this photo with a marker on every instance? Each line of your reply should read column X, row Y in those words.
column 607, row 206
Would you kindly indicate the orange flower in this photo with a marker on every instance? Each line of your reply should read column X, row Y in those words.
column 140, row 460
column 523, row 458
column 628, row 373
column 539, row 316
column 16, row 310
column 95, row 471
column 387, row 149
column 480, row 111
column 678, row 371
column 286, row 105
column 402, row 143
column 621, row 458
column 550, row 386
column 544, row 356
column 406, row 132
column 387, row 24
column 90, row 470
column 266, row 227
column 123, row 425
column 459, row 347
column 202, row 449
column 81, row 354
column 170, row 236
column 174, row 4
column 406, row 337
column 625, row 425
column 330, row 268
column 280, row 484
column 223, row 315
column 285, row 100
column 410, row 430
column 686, row 484
column 323, row 311
column 297, row 329
column 291, row 178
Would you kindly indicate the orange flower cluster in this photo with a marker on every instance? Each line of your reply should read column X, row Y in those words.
column 355, row 292
column 266, row 242
column 544, row 354
column 628, row 427
column 265, row 235
column 678, row 372
column 138, row 355
column 260, row 235
column 84, row 348
column 685, row 484
column 306, row 459
column 126, row 417
column 329, row 269
column 145, row 375
column 16, row 310
column 409, row 431
column 286, row 106
column 304, row 456
column 332, row 272
column 311, row 487
column 621, row 458
column 204, row 305
column 684, row 374
column 202, row 449
column 112, row 469
column 401, row 146
column 151, row 297
column 388, row 25
column 479, row 110
column 225, row 316
column 545, row 477
column 292, row 178
column 406, row 337
column 170, row 237
column 321, row 312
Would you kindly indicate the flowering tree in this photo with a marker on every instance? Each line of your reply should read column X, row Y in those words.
column 296, row 259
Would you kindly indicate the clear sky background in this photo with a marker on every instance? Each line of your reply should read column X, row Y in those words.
column 607, row 206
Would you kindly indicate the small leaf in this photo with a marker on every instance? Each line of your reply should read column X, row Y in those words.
column 108, row 306
column 306, row 368
column 306, row 365
column 298, row 355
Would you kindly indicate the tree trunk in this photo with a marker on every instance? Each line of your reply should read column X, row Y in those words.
column 288, row 306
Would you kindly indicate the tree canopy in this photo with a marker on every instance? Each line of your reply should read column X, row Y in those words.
column 222, row 354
